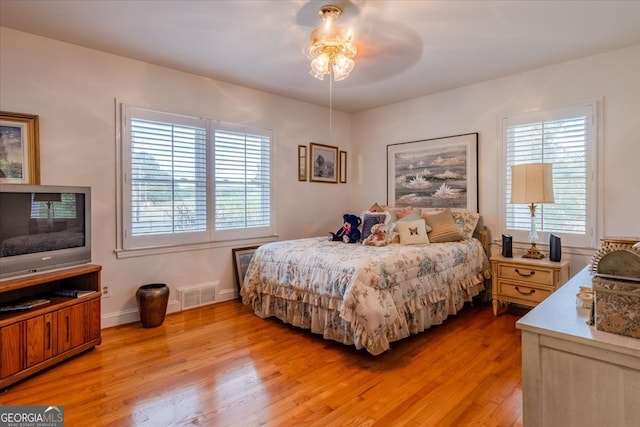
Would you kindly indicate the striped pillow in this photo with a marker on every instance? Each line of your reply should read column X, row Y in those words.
column 444, row 228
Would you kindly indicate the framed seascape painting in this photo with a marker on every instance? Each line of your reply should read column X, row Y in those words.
column 434, row 173
column 323, row 163
column 241, row 259
column 19, row 148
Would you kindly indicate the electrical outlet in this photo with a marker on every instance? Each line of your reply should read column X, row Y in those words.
column 106, row 290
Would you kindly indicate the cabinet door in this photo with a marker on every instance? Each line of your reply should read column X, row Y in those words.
column 93, row 318
column 41, row 338
column 50, row 335
column 11, row 349
column 72, row 327
column 35, row 340
column 64, row 329
column 79, row 325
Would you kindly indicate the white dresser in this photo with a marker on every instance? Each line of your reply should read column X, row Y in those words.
column 573, row 374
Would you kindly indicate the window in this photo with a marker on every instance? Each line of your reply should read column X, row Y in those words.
column 566, row 138
column 242, row 180
column 192, row 180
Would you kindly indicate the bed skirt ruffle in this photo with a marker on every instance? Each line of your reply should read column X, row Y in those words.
column 328, row 317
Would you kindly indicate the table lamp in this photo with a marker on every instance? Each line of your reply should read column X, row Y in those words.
column 532, row 183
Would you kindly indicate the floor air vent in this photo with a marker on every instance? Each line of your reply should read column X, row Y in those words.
column 197, row 295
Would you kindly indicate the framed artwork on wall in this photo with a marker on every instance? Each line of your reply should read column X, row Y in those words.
column 19, row 148
column 323, row 163
column 343, row 167
column 302, row 162
column 434, row 173
column 241, row 259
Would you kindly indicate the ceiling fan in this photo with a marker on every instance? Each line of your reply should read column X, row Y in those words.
column 381, row 45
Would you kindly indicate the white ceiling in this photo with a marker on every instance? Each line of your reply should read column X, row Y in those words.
column 406, row 48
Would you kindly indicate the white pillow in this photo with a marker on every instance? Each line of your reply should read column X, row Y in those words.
column 412, row 232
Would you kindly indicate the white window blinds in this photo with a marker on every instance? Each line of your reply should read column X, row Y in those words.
column 168, row 178
column 168, row 195
column 565, row 138
column 242, row 180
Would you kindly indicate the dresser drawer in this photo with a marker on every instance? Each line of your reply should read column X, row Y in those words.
column 523, row 291
column 526, row 274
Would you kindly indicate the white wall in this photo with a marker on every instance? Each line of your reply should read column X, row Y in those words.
column 73, row 89
column 613, row 77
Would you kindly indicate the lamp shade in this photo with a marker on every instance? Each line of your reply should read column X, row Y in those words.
column 532, row 183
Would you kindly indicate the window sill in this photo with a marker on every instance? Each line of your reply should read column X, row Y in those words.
column 132, row 253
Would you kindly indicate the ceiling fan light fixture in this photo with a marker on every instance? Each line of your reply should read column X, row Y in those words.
column 330, row 44
column 320, row 66
column 342, row 67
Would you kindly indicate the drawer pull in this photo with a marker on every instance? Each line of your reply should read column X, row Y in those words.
column 531, row 273
column 531, row 291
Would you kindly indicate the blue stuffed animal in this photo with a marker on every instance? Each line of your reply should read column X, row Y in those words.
column 349, row 232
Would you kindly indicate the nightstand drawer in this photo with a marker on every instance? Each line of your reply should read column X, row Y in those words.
column 526, row 274
column 523, row 291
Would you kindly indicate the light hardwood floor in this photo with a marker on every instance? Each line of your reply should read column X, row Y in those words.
column 223, row 366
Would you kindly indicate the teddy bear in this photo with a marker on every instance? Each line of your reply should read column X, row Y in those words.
column 378, row 236
column 349, row 232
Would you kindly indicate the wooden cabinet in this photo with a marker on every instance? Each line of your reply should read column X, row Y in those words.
column 525, row 281
column 37, row 338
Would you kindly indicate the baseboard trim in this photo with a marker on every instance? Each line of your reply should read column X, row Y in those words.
column 123, row 317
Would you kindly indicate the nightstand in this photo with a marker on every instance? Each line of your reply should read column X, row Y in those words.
column 525, row 281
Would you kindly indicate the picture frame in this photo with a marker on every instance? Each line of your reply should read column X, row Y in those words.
column 19, row 148
column 343, row 167
column 241, row 259
column 323, row 163
column 302, row 162
column 434, row 173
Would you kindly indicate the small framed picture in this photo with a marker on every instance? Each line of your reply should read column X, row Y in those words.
column 19, row 148
column 241, row 259
column 323, row 163
column 343, row 167
column 302, row 162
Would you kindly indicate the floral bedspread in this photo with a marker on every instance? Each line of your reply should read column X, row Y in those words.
column 374, row 292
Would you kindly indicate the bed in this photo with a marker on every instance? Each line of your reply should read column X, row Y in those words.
column 368, row 296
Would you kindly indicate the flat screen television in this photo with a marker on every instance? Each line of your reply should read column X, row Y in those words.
column 43, row 227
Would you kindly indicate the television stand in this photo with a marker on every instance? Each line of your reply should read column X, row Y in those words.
column 39, row 337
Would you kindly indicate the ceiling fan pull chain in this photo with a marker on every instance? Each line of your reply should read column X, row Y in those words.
column 330, row 103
